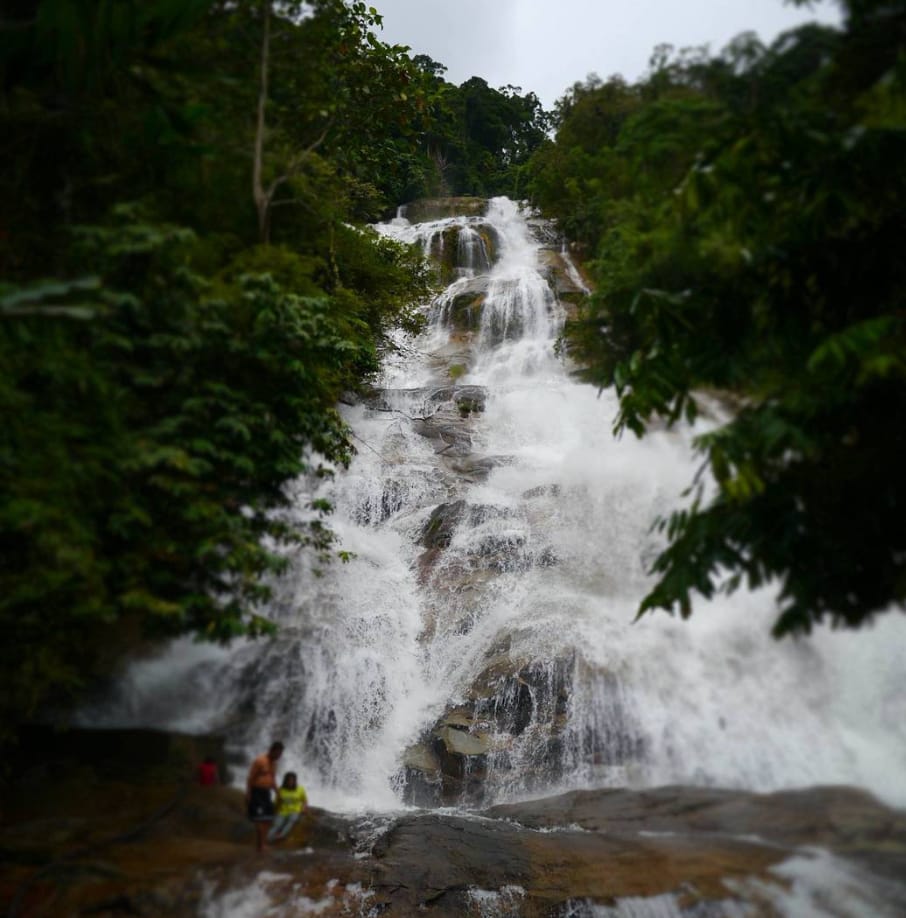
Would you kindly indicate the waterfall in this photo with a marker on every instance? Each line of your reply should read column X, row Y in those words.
column 479, row 644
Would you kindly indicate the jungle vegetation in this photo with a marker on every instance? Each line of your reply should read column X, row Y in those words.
column 743, row 217
column 188, row 286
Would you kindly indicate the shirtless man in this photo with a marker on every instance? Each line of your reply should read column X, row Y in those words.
column 261, row 783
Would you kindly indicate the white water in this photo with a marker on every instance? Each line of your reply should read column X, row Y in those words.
column 368, row 657
column 812, row 884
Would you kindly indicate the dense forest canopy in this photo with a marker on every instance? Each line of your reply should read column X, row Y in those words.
column 743, row 217
column 187, row 289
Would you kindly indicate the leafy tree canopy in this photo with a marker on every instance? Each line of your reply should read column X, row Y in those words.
column 743, row 219
column 166, row 373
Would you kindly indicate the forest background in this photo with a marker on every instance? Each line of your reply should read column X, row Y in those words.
column 189, row 286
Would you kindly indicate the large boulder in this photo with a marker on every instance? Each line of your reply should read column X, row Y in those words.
column 463, row 250
column 439, row 413
column 460, row 306
column 672, row 851
column 557, row 273
column 426, row 399
column 449, row 763
column 477, row 741
column 438, row 531
column 545, row 232
column 449, row 430
column 425, row 210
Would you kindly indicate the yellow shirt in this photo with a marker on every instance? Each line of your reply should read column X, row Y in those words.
column 290, row 801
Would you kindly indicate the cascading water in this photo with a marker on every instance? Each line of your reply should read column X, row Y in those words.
column 479, row 644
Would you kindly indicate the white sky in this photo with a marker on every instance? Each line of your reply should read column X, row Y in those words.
column 545, row 46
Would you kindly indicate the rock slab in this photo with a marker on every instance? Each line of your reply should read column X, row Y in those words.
column 112, row 835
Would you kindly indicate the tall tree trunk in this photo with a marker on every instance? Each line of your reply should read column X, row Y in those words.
column 262, row 198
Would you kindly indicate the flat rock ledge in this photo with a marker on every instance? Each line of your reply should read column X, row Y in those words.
column 111, row 838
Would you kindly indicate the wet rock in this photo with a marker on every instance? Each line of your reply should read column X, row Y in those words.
column 443, row 251
column 391, row 500
column 438, row 531
column 421, row 787
column 458, row 741
column 837, row 817
column 456, row 592
column 475, row 743
column 464, row 250
column 420, row 776
column 422, row 402
column 512, row 700
column 505, row 547
column 477, row 469
column 449, row 765
column 462, row 718
column 557, row 273
column 546, row 232
column 322, row 726
column 426, row 209
column 456, row 854
column 552, row 490
column 470, row 400
column 460, row 307
column 491, row 242
column 547, row 557
column 398, row 494
column 455, row 358
column 445, row 518
column 503, row 551
column 462, row 768
column 450, row 432
column 571, row 300
column 151, row 845
column 636, row 845
column 442, row 414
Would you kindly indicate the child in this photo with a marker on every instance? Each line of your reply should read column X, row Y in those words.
column 291, row 803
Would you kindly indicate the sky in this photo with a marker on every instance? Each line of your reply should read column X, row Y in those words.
column 544, row 46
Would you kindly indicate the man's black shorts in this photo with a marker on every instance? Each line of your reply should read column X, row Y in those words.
column 261, row 807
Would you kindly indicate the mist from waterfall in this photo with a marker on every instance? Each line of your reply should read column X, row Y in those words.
column 542, row 578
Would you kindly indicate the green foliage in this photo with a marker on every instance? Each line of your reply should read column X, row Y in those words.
column 743, row 221
column 498, row 131
column 150, row 432
column 393, row 279
column 474, row 140
column 165, row 376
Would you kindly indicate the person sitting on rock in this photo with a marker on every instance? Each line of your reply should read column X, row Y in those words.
column 291, row 803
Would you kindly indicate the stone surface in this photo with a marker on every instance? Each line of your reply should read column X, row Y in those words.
column 449, row 430
column 557, row 274
column 508, row 699
column 425, row 210
column 422, row 401
column 444, row 519
column 463, row 301
column 478, row 468
column 460, row 742
column 442, row 414
column 114, row 834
